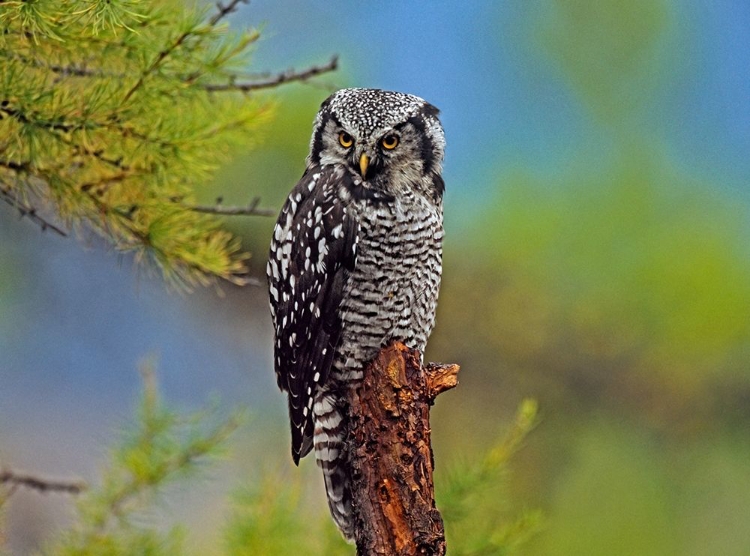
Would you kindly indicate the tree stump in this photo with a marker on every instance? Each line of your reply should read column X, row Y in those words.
column 391, row 456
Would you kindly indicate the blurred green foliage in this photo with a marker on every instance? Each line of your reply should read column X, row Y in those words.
column 634, row 261
column 617, row 488
column 610, row 53
column 473, row 497
column 116, row 517
column 617, row 292
column 271, row 516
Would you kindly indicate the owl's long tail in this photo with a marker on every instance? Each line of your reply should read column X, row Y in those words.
column 330, row 455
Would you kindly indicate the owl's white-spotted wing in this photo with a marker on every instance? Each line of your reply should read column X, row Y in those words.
column 312, row 252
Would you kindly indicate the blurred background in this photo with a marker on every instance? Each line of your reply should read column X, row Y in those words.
column 596, row 259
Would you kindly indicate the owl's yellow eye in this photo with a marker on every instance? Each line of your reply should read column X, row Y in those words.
column 389, row 142
column 345, row 139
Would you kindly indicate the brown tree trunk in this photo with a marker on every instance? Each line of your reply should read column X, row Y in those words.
column 391, row 456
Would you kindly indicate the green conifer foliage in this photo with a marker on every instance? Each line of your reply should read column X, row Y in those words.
column 117, row 517
column 112, row 112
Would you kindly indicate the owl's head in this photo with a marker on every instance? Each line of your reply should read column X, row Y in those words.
column 386, row 140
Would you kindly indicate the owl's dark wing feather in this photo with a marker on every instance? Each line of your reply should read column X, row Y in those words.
column 312, row 253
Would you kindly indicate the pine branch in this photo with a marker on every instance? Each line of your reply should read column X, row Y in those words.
column 63, row 70
column 221, row 13
column 275, row 81
column 57, row 127
column 28, row 211
column 8, row 477
column 190, row 455
column 27, row 119
column 59, row 130
column 250, row 210
column 100, row 185
column 225, row 10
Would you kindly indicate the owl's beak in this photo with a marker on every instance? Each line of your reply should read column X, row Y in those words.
column 364, row 162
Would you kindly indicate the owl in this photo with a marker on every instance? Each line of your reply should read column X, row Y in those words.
column 355, row 262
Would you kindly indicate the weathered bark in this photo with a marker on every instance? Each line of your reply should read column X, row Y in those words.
column 391, row 456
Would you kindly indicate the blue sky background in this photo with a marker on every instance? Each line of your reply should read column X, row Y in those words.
column 498, row 96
